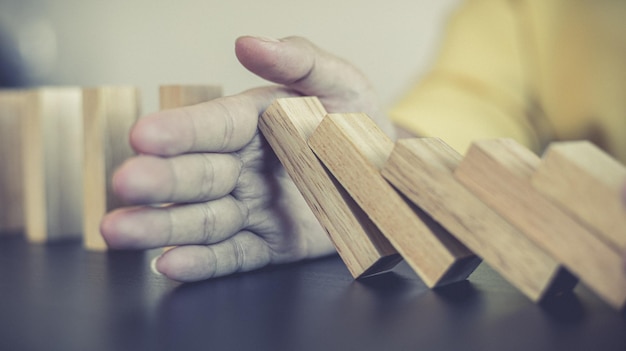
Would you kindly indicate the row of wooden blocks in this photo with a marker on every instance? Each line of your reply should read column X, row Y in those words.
column 59, row 147
column 543, row 224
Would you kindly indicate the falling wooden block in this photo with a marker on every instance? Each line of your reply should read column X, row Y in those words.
column 173, row 96
column 12, row 103
column 53, row 160
column 588, row 183
column 109, row 113
column 354, row 150
column 499, row 172
column 423, row 170
column 287, row 124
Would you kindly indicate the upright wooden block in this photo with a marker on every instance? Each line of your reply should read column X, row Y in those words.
column 354, row 150
column 109, row 113
column 584, row 180
column 287, row 124
column 12, row 104
column 499, row 172
column 53, row 160
column 423, row 170
column 173, row 96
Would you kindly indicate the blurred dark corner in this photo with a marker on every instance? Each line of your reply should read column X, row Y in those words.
column 12, row 69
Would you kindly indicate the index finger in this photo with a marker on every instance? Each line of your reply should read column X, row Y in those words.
column 222, row 125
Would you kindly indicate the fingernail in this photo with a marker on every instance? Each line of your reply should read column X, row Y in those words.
column 267, row 39
column 153, row 267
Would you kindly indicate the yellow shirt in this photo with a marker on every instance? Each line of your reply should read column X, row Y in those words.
column 533, row 70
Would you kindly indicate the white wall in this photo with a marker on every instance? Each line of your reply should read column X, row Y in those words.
column 151, row 42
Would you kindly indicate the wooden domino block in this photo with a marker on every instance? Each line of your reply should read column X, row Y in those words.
column 584, row 180
column 53, row 160
column 423, row 170
column 287, row 124
column 499, row 172
column 173, row 96
column 354, row 150
column 109, row 113
column 12, row 103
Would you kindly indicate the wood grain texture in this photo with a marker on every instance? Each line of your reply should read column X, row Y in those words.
column 12, row 104
column 587, row 182
column 354, row 150
column 109, row 113
column 423, row 170
column 499, row 172
column 173, row 96
column 287, row 124
column 53, row 160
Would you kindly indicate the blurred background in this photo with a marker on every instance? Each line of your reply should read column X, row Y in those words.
column 151, row 42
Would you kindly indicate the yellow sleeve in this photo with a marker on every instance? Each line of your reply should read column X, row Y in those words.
column 476, row 88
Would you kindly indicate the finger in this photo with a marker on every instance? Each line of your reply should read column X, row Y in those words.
column 221, row 125
column 241, row 253
column 150, row 227
column 185, row 178
column 302, row 66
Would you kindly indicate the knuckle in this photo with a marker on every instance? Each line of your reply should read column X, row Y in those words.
column 228, row 124
column 239, row 253
column 208, row 223
column 207, row 179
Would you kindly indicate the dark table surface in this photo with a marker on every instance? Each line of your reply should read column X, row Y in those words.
column 61, row 297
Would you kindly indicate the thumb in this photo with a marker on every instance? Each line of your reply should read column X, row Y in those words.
column 303, row 67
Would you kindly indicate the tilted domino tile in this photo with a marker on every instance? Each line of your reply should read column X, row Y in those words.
column 287, row 124
column 354, row 150
column 423, row 170
column 499, row 172
column 586, row 181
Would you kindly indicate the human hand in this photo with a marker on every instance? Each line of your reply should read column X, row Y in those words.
column 234, row 207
